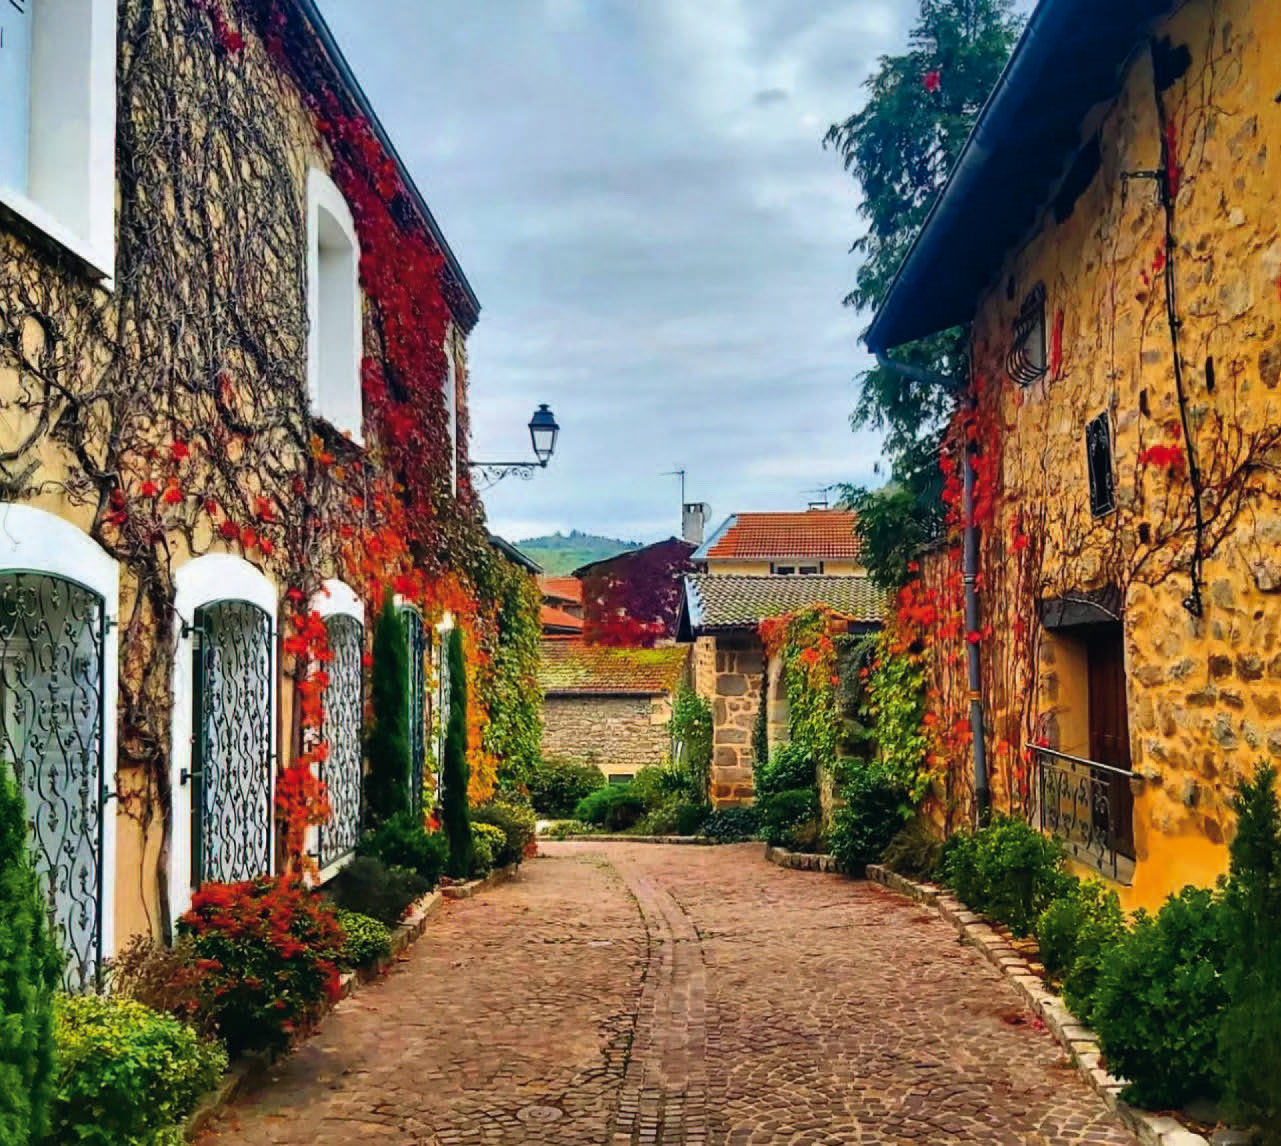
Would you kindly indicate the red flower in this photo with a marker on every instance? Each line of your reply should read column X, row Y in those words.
column 933, row 80
column 180, row 450
column 173, row 494
column 148, row 489
column 230, row 530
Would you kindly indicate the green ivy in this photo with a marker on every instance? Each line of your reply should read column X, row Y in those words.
column 691, row 727
column 896, row 699
column 387, row 745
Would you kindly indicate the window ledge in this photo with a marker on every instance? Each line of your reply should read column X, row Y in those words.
column 333, row 436
column 34, row 222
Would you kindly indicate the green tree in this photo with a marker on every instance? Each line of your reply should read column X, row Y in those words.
column 29, row 971
column 454, row 775
column 387, row 746
column 900, row 147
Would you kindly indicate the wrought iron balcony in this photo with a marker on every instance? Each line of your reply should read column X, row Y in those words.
column 1089, row 807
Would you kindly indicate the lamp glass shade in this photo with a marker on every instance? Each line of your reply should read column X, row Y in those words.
column 542, row 432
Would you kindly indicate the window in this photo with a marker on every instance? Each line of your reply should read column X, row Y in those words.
column 334, row 337
column 1027, row 360
column 451, row 410
column 783, row 570
column 343, row 769
column 1098, row 460
column 810, row 570
column 419, row 710
column 620, row 779
column 58, row 122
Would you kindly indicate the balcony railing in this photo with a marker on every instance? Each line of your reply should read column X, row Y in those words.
column 1087, row 805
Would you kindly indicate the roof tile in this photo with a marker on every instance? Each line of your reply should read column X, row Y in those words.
column 823, row 534
column 575, row 668
column 730, row 602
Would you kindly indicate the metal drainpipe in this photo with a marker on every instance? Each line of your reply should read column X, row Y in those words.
column 982, row 794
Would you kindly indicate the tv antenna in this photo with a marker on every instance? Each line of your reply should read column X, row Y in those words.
column 680, row 474
column 820, row 501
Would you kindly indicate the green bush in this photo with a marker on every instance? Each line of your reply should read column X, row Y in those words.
column 166, row 978
column 1160, row 1001
column 403, row 841
column 654, row 786
column 126, row 1074
column 517, row 824
column 726, row 825
column 565, row 828
column 488, row 843
column 691, row 729
column 29, row 971
column 369, row 886
column 876, row 805
column 387, row 744
column 365, row 940
column 558, row 784
column 455, row 775
column 1075, row 933
column 614, row 809
column 914, row 851
column 675, row 818
column 789, row 767
column 1250, row 1048
column 787, row 818
column 1008, row 871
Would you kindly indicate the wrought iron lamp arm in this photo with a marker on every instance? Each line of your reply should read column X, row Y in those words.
column 487, row 474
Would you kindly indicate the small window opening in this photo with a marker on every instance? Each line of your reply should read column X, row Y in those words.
column 1098, row 455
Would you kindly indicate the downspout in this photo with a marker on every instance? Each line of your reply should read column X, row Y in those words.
column 970, row 571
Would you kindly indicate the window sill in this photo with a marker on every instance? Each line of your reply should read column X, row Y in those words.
column 333, row 436
column 35, row 223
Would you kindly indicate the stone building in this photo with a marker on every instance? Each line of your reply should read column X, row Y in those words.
column 610, row 706
column 812, row 543
column 721, row 616
column 1111, row 238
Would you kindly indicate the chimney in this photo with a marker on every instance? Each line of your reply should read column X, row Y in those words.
column 694, row 521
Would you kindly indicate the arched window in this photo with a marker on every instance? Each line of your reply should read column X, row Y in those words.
column 224, row 725
column 333, row 308
column 59, row 594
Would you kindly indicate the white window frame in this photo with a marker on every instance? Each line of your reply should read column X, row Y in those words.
column 335, row 598
column 335, row 320
column 33, row 540
column 70, row 187
column 203, row 581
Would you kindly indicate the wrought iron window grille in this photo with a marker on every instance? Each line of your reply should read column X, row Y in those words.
column 1098, row 461
column 342, row 768
column 1028, row 359
column 1077, row 803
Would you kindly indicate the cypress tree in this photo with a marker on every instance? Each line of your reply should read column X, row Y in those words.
column 387, row 784
column 454, row 775
column 29, row 972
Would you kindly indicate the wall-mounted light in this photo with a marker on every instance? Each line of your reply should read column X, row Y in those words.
column 543, row 432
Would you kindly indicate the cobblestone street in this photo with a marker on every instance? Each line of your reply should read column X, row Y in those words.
column 635, row 994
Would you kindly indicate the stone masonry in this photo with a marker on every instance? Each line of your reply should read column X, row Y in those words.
column 736, row 691
column 620, row 734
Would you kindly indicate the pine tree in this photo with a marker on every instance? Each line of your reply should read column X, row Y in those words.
column 454, row 776
column 387, row 746
column 29, row 972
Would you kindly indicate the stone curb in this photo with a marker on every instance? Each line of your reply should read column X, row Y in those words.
column 244, row 1074
column 801, row 861
column 1077, row 1040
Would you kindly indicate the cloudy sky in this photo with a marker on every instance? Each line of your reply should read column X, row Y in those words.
column 637, row 191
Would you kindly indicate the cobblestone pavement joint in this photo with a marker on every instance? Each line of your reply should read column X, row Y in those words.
column 630, row 995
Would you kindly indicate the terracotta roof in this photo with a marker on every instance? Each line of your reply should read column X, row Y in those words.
column 554, row 618
column 822, row 534
column 715, row 602
column 572, row 668
column 562, row 588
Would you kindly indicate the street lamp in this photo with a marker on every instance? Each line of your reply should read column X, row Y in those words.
column 543, row 432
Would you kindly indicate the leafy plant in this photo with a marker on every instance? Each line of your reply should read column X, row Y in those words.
column 1248, row 1043
column 557, row 784
column 789, row 819
column 487, row 843
column 29, row 970
column 166, row 978
column 789, row 768
column 455, row 774
column 1160, row 1002
column 369, row 886
column 565, row 828
column 896, row 698
column 387, row 745
column 127, row 1074
column 1075, row 933
column 403, row 841
column 365, row 939
column 760, row 726
column 914, row 851
column 269, row 949
column 726, row 825
column 875, row 809
column 691, row 730
column 614, row 809
column 675, row 818
column 517, row 824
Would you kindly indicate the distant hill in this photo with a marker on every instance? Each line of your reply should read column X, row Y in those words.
column 561, row 553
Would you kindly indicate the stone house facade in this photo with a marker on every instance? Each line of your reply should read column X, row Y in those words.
column 1121, row 291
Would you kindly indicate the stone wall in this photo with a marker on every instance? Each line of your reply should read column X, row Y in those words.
column 735, row 695
column 620, row 734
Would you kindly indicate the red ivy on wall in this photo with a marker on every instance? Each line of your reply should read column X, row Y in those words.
column 633, row 600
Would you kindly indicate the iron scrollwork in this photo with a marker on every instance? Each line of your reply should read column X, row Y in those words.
column 231, row 797
column 341, row 771
column 52, row 634
column 416, row 639
column 1077, row 805
column 487, row 474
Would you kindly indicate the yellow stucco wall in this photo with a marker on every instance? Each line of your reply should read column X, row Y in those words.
column 1204, row 694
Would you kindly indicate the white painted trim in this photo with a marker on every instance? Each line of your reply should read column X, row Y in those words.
column 32, row 539
column 215, row 577
column 338, row 336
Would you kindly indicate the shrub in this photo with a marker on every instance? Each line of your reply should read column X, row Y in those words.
column 1009, row 871
column 725, row 825
column 1075, row 933
column 365, row 940
column 675, row 818
column 654, row 786
column 613, row 809
column 127, row 1074
column 1160, row 1000
column 165, row 978
column 271, row 949
column 369, row 886
column 514, row 821
column 455, row 774
column 914, row 851
column 691, row 729
column 487, row 843
column 1248, row 1036
column 402, row 841
column 565, row 828
column 875, row 809
column 29, row 970
column 789, row 767
column 783, row 814
column 387, row 745
column 558, row 784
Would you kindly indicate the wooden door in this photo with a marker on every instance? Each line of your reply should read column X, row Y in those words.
column 1110, row 734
